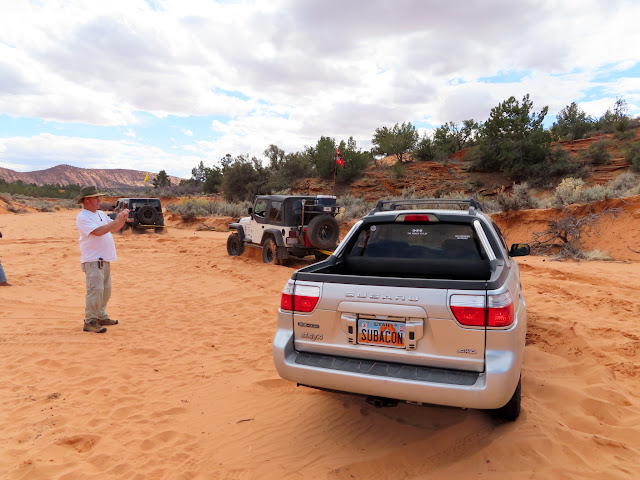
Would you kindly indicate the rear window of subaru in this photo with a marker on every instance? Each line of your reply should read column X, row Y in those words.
column 409, row 240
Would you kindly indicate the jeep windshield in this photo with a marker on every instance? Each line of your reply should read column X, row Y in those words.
column 141, row 202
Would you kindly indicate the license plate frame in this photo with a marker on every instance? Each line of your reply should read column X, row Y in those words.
column 381, row 333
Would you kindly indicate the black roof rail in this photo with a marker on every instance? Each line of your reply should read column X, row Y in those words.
column 387, row 205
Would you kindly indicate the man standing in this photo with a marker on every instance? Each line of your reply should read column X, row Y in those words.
column 97, row 251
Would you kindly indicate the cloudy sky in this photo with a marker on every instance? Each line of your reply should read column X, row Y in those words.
column 164, row 84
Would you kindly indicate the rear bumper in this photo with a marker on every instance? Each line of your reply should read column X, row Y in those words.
column 486, row 390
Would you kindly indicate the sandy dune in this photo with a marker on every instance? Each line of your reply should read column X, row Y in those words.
column 185, row 388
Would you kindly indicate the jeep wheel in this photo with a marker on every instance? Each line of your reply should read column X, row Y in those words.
column 269, row 250
column 147, row 215
column 323, row 232
column 511, row 410
column 235, row 246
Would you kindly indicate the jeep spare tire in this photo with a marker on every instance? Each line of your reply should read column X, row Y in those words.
column 323, row 232
column 147, row 215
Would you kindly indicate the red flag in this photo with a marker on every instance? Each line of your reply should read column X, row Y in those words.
column 339, row 159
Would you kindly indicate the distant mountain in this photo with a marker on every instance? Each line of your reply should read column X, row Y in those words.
column 101, row 177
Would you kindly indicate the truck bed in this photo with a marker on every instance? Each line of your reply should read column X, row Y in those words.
column 398, row 272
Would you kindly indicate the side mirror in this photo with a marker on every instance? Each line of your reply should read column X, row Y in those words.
column 519, row 250
column 250, row 210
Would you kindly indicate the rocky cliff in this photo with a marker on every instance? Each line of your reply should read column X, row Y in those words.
column 66, row 174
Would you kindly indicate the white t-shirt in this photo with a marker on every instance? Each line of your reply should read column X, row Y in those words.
column 93, row 247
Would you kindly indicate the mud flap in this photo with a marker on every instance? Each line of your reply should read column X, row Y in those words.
column 282, row 253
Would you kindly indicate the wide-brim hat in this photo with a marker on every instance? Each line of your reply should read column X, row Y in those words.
column 91, row 191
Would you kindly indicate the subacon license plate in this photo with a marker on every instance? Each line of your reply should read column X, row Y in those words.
column 377, row 332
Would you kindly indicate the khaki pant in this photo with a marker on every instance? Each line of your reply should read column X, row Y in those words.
column 98, row 289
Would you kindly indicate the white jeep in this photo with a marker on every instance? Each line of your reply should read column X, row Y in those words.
column 287, row 226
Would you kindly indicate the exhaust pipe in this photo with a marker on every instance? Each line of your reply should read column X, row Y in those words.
column 382, row 402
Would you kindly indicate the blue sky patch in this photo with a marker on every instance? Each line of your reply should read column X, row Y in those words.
column 506, row 76
column 232, row 93
column 609, row 73
column 593, row 93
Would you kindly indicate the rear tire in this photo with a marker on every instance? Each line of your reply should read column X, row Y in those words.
column 511, row 410
column 235, row 246
column 269, row 250
column 323, row 232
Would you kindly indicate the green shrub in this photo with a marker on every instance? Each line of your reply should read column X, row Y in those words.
column 572, row 123
column 520, row 199
column 473, row 157
column 44, row 207
column 38, row 203
column 226, row 209
column 41, row 191
column 625, row 135
column 354, row 207
column 572, row 190
column 631, row 152
column 567, row 191
column 491, row 205
column 14, row 209
column 200, row 207
column 424, row 151
column 595, row 194
column 624, row 183
column 399, row 170
column 597, row 153
column 191, row 208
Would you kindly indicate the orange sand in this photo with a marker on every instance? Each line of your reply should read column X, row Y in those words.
column 185, row 387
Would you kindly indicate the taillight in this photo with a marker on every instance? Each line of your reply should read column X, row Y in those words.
column 470, row 310
column 299, row 298
column 500, row 310
column 292, row 239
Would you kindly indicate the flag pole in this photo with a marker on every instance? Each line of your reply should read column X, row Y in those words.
column 335, row 170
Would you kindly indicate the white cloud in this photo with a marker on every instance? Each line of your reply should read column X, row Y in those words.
column 296, row 69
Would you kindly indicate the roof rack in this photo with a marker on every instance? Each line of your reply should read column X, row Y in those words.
column 435, row 203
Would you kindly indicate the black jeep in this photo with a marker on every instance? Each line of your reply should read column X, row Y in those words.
column 144, row 213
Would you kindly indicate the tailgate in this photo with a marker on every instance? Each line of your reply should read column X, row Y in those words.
column 393, row 324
